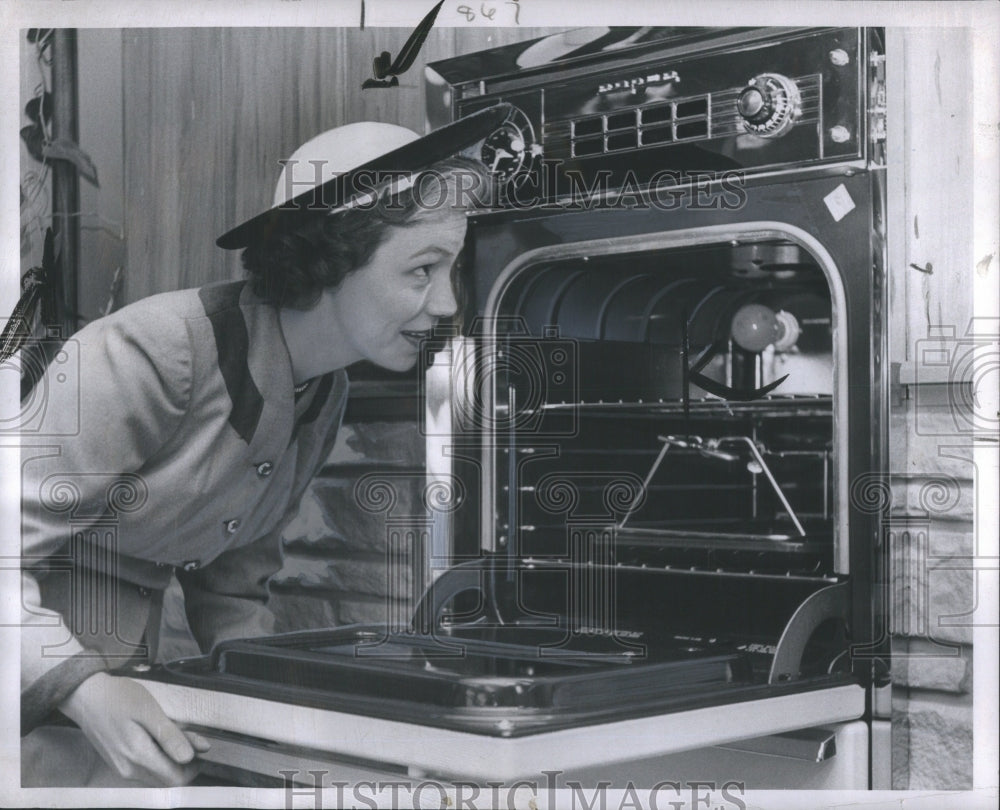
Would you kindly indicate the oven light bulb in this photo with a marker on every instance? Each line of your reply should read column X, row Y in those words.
column 755, row 327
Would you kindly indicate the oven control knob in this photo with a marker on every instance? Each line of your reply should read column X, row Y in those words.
column 769, row 105
column 752, row 105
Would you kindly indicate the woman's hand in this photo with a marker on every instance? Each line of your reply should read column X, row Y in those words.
column 130, row 731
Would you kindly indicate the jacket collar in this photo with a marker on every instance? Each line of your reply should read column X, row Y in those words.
column 256, row 367
column 253, row 360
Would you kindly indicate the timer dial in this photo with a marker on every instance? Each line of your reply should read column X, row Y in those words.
column 769, row 105
column 509, row 149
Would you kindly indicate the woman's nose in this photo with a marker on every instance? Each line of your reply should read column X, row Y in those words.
column 441, row 301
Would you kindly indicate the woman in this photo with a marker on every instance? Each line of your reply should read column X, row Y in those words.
column 203, row 415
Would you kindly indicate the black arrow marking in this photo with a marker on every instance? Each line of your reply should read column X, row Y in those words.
column 381, row 66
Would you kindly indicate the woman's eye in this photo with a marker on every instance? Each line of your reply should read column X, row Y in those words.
column 421, row 272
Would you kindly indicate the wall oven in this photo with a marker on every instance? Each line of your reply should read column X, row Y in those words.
column 658, row 438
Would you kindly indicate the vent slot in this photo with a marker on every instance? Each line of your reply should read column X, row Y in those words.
column 589, row 126
column 657, row 114
column 661, row 135
column 692, row 129
column 623, row 140
column 594, row 146
column 621, row 120
column 688, row 109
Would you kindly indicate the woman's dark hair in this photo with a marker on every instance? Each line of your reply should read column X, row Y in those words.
column 310, row 251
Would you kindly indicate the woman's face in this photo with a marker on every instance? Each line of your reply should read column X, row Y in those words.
column 384, row 308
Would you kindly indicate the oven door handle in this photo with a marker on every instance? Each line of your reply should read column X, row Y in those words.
column 808, row 744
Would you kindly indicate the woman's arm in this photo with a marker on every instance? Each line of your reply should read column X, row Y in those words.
column 130, row 731
column 134, row 385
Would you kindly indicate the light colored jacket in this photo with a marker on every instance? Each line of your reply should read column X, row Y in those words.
column 191, row 455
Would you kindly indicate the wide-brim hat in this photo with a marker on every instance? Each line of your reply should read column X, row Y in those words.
column 359, row 159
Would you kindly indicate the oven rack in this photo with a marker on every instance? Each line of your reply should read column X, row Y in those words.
column 699, row 537
column 698, row 540
column 783, row 573
column 777, row 405
column 653, row 549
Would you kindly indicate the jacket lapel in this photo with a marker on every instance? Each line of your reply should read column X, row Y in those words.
column 232, row 342
column 254, row 365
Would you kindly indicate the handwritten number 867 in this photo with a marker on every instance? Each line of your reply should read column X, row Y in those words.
column 489, row 11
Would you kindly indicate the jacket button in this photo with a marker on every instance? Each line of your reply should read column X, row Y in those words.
column 191, row 565
column 264, row 469
column 143, row 591
column 232, row 525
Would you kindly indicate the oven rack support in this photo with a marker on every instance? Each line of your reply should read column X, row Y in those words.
column 825, row 604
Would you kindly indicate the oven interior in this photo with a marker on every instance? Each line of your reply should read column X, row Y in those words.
column 656, row 532
column 686, row 396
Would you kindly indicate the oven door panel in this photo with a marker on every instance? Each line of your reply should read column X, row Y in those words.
column 456, row 754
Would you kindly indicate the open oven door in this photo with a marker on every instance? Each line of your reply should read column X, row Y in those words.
column 658, row 575
column 670, row 400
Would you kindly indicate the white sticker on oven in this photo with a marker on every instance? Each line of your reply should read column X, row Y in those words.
column 839, row 202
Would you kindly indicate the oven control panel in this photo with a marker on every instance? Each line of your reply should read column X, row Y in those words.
column 651, row 115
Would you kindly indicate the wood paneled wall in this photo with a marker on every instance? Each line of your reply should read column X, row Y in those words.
column 209, row 112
